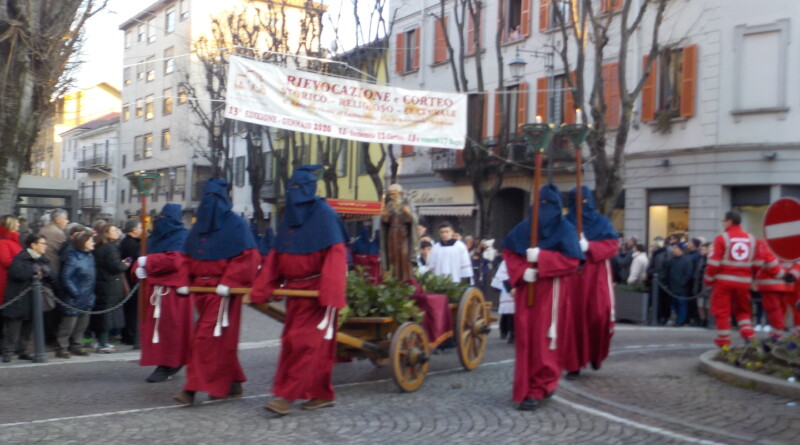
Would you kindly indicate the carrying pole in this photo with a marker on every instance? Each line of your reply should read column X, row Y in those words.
column 537, row 182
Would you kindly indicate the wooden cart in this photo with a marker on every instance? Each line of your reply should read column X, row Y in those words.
column 403, row 346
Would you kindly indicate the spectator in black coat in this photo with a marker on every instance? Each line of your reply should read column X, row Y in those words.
column 679, row 277
column 17, row 317
column 130, row 247
column 657, row 265
column 78, row 280
column 109, row 288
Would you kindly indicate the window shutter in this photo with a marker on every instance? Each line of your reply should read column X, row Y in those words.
column 407, row 150
column 525, row 18
column 440, row 48
column 544, row 15
column 611, row 93
column 569, row 102
column 688, row 80
column 470, row 34
column 649, row 93
column 614, row 5
column 417, row 40
column 522, row 108
column 541, row 98
column 498, row 112
column 399, row 55
column 501, row 23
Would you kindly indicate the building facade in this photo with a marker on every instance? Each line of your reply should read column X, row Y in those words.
column 713, row 128
column 92, row 152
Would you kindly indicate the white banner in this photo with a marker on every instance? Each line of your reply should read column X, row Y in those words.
column 265, row 94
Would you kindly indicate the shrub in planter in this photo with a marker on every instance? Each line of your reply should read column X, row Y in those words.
column 441, row 284
column 390, row 298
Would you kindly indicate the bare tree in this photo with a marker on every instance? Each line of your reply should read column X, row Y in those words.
column 37, row 42
column 588, row 24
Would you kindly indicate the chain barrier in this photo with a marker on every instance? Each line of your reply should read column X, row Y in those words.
column 15, row 299
column 679, row 297
column 80, row 311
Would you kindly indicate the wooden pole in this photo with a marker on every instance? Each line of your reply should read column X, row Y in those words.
column 143, row 252
column 537, row 183
column 579, row 190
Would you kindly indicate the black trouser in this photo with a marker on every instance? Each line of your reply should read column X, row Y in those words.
column 16, row 336
column 506, row 325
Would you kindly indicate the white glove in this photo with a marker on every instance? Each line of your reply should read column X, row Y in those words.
column 223, row 290
column 183, row 290
column 533, row 255
column 530, row 275
column 142, row 261
column 140, row 273
column 584, row 243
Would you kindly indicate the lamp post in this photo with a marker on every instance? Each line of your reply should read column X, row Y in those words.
column 144, row 181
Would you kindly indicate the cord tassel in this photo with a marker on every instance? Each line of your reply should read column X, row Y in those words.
column 324, row 323
column 331, row 323
column 225, row 322
column 218, row 327
column 552, row 332
column 155, row 299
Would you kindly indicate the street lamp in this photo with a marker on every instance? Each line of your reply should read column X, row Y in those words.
column 144, row 181
column 517, row 64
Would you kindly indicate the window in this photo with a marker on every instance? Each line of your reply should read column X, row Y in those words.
column 515, row 107
column 148, row 146
column 151, row 30
column 128, row 39
column 239, row 171
column 149, row 109
column 471, row 31
column 516, row 16
column 184, row 9
column 407, row 51
column 669, row 89
column 140, row 33
column 166, row 107
column 126, row 76
column 361, row 148
column 169, row 21
column 269, row 158
column 139, row 107
column 548, row 15
column 342, row 161
column 122, row 196
column 180, row 180
column 151, row 68
column 169, row 62
column 554, row 102
column 166, row 139
column 407, row 150
column 182, row 95
column 140, row 70
column 124, row 160
column 126, row 113
column 137, row 147
column 440, row 41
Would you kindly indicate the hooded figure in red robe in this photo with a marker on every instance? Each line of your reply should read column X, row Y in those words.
column 222, row 255
column 586, row 337
column 167, row 326
column 557, row 255
column 309, row 253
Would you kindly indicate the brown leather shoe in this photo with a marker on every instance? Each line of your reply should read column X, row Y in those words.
column 185, row 397
column 317, row 404
column 235, row 392
column 279, row 406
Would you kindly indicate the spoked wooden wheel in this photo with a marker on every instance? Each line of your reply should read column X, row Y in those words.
column 409, row 353
column 472, row 328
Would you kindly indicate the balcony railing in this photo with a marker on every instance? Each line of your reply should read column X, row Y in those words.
column 90, row 203
column 97, row 162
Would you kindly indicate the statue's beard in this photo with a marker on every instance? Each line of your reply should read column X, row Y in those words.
column 396, row 205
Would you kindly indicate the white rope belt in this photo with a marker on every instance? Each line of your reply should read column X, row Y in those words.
column 327, row 322
column 222, row 316
column 155, row 299
column 552, row 333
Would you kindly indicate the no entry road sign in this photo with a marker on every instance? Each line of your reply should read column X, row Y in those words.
column 782, row 228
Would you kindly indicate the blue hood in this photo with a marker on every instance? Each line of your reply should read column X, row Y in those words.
column 168, row 235
column 218, row 233
column 596, row 226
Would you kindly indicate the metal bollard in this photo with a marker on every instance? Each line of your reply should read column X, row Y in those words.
column 38, row 320
column 654, row 299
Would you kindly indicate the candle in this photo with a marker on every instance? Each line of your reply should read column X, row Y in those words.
column 538, row 119
column 579, row 116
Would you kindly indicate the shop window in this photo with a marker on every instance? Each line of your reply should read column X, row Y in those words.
column 669, row 90
column 407, row 51
column 668, row 212
column 752, row 203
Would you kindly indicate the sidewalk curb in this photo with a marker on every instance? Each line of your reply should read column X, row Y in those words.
column 747, row 379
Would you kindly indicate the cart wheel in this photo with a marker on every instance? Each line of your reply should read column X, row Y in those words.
column 379, row 362
column 472, row 328
column 408, row 354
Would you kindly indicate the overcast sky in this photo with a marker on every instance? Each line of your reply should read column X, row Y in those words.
column 102, row 52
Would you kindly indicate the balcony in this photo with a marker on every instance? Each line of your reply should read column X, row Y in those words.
column 97, row 163
column 90, row 203
column 446, row 159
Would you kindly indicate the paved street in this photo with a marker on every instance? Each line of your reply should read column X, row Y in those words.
column 648, row 392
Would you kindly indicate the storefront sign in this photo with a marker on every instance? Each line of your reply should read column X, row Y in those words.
column 265, row 94
column 441, row 196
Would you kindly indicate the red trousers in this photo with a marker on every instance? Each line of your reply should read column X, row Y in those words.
column 776, row 304
column 727, row 301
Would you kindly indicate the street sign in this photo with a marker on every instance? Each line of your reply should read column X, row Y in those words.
column 782, row 229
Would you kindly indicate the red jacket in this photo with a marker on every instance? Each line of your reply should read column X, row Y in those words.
column 9, row 248
column 731, row 261
column 770, row 272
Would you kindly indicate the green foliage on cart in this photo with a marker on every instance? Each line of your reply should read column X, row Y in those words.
column 390, row 298
column 442, row 284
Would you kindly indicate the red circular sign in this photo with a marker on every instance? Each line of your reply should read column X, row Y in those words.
column 782, row 228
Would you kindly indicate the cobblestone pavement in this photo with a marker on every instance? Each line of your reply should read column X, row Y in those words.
column 648, row 392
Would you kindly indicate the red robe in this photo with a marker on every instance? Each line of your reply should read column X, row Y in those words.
column 165, row 340
column 305, row 365
column 371, row 265
column 538, row 365
column 214, row 361
column 586, row 335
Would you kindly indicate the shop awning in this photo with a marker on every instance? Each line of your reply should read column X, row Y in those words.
column 446, row 210
column 351, row 209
